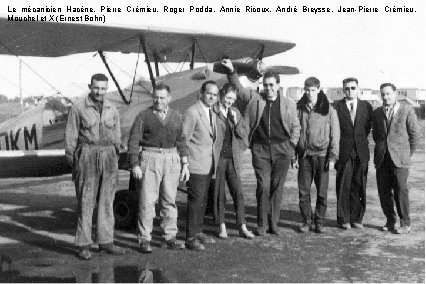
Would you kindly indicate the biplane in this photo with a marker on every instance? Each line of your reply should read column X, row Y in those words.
column 32, row 144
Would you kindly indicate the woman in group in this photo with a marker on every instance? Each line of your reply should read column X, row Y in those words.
column 231, row 141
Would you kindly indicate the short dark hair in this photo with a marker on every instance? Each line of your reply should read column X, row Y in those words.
column 312, row 82
column 204, row 85
column 227, row 87
column 161, row 86
column 271, row 74
column 350, row 79
column 98, row 77
column 384, row 85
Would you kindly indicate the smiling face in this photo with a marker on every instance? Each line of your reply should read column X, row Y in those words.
column 388, row 96
column 270, row 87
column 209, row 96
column 98, row 90
column 160, row 99
column 228, row 99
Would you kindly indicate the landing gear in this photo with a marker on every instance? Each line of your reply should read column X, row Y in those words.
column 126, row 206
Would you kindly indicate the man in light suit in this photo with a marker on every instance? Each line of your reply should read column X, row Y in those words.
column 274, row 131
column 199, row 129
column 352, row 165
column 396, row 134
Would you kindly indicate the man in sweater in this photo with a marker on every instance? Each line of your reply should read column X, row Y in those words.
column 160, row 166
column 274, row 131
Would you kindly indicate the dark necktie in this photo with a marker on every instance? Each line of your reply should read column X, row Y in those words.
column 211, row 124
column 352, row 112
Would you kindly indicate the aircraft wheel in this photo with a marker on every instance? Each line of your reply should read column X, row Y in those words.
column 125, row 209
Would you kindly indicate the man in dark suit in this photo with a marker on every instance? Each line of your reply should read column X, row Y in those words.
column 352, row 165
column 396, row 134
column 274, row 131
column 199, row 128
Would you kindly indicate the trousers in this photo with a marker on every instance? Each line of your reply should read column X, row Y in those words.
column 95, row 178
column 312, row 168
column 196, row 203
column 392, row 187
column 351, row 183
column 270, row 163
column 225, row 172
column 160, row 179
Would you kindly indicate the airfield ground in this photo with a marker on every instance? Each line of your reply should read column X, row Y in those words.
column 37, row 221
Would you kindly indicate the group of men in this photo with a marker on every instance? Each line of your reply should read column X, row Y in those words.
column 312, row 135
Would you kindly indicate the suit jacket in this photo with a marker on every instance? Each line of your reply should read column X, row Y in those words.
column 199, row 139
column 353, row 136
column 254, row 103
column 400, row 138
column 239, row 137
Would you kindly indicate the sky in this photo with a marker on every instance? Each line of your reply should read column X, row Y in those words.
column 375, row 47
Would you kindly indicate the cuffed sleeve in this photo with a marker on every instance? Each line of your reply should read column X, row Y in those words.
column 413, row 130
column 334, row 135
column 71, row 134
column 181, row 144
column 294, row 126
column 134, row 140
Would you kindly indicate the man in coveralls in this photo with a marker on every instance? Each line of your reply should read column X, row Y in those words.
column 92, row 143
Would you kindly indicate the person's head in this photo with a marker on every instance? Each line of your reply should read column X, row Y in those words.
column 98, row 87
column 271, row 81
column 161, row 97
column 209, row 91
column 388, row 94
column 228, row 95
column 350, row 88
column 312, row 89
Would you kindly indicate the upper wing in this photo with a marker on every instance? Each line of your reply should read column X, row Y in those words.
column 52, row 39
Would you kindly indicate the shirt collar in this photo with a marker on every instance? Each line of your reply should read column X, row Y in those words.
column 160, row 111
column 354, row 102
column 90, row 103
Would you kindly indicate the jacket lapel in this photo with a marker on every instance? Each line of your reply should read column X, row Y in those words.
column 344, row 110
column 205, row 119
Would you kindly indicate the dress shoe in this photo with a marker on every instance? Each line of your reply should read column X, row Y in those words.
column 110, row 249
column 357, row 226
column 246, row 234
column 173, row 244
column 260, row 231
column 204, row 239
column 403, row 230
column 304, row 228
column 389, row 227
column 273, row 231
column 319, row 229
column 345, row 226
column 84, row 253
column 145, row 246
column 194, row 244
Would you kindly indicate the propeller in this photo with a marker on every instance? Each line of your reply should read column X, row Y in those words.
column 253, row 69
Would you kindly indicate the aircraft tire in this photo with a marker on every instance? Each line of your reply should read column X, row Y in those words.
column 125, row 209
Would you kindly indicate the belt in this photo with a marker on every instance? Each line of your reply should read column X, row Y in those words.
column 159, row 150
column 99, row 144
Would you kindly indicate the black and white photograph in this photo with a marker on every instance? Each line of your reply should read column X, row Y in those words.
column 212, row 141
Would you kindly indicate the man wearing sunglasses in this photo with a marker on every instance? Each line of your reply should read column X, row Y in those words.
column 352, row 166
column 274, row 131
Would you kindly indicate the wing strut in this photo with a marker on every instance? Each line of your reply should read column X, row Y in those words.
column 148, row 63
column 191, row 65
column 101, row 54
column 260, row 55
column 156, row 58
